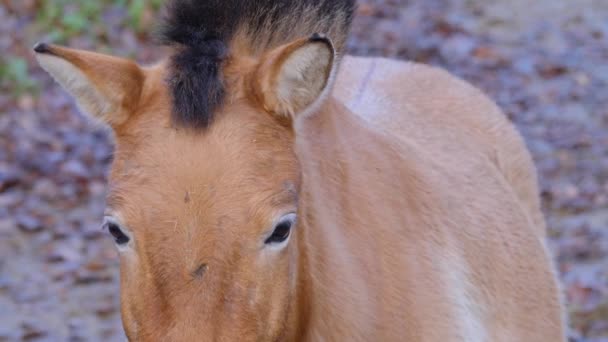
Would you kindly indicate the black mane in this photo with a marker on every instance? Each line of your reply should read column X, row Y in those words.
column 201, row 32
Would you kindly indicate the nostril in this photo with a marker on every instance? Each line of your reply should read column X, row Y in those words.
column 199, row 272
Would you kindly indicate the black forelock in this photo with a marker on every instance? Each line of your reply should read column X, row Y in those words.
column 201, row 32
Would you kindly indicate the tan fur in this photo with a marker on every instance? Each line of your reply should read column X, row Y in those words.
column 418, row 215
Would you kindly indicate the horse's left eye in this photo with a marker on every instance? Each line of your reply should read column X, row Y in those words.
column 282, row 230
column 119, row 236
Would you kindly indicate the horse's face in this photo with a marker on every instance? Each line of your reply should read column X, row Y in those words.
column 210, row 222
column 204, row 219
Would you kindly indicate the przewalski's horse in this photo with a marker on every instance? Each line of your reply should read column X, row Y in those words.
column 264, row 188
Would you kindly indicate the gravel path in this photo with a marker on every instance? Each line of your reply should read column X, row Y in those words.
column 544, row 62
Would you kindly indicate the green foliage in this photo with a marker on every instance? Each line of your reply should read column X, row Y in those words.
column 67, row 18
column 14, row 75
column 64, row 19
column 137, row 8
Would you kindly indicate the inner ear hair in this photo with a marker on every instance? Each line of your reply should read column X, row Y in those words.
column 291, row 78
column 107, row 88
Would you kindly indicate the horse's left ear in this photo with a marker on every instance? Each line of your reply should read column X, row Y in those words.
column 293, row 78
column 106, row 87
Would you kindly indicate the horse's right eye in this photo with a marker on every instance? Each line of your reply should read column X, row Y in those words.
column 119, row 236
column 280, row 233
column 282, row 230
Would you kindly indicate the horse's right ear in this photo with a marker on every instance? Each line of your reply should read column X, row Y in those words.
column 108, row 88
column 293, row 78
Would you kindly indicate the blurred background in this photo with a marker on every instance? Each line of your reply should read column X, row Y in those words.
column 545, row 62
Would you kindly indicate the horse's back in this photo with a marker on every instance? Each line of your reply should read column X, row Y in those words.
column 447, row 117
column 480, row 197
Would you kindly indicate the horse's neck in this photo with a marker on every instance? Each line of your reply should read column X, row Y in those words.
column 367, row 231
column 321, row 242
column 344, row 163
